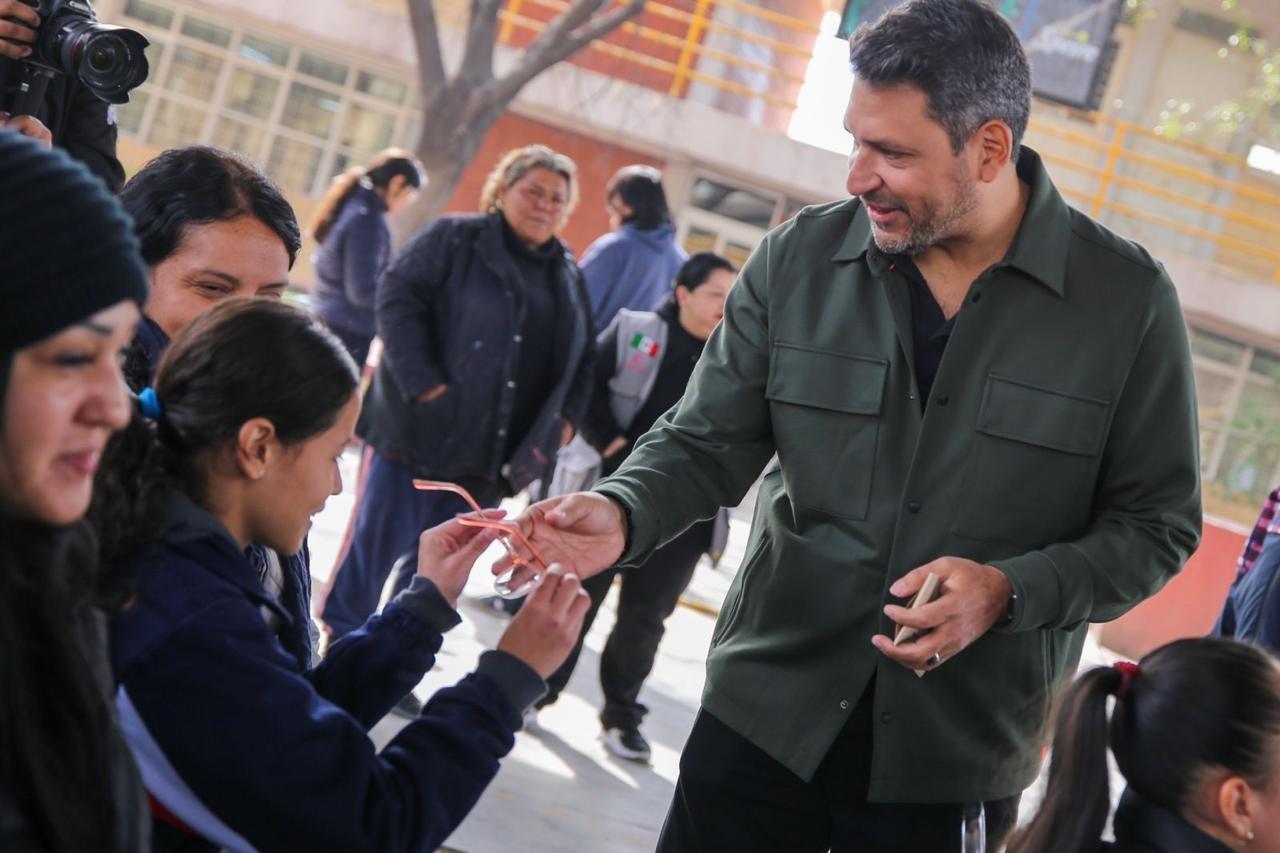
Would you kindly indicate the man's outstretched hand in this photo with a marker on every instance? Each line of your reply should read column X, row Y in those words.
column 585, row 532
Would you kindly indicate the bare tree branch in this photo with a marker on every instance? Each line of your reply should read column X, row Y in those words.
column 426, row 39
column 566, row 35
column 578, row 13
column 458, row 111
column 482, row 34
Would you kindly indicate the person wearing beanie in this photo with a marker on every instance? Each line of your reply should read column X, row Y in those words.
column 67, row 782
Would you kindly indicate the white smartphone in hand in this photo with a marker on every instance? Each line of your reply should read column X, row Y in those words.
column 928, row 592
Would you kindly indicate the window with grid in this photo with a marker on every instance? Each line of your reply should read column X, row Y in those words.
column 1238, row 392
column 303, row 113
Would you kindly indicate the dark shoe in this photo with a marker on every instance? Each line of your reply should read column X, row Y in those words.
column 627, row 743
column 410, row 706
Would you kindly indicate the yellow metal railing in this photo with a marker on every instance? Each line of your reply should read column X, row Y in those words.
column 690, row 44
column 1117, row 153
column 1131, row 172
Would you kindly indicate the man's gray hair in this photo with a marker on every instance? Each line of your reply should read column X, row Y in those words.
column 961, row 54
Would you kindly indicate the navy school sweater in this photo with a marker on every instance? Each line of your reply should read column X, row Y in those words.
column 241, row 743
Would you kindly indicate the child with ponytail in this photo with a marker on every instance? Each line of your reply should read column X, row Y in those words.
column 242, row 745
column 1195, row 730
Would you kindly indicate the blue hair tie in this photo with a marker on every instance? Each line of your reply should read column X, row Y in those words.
column 151, row 408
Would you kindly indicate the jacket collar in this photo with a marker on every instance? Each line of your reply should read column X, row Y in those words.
column 153, row 341
column 1040, row 247
column 1142, row 825
column 190, row 524
column 492, row 243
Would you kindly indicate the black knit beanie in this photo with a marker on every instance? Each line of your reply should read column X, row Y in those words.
column 67, row 247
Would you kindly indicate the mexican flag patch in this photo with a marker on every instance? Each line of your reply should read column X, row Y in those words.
column 646, row 345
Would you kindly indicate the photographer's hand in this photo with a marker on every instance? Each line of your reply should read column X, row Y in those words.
column 18, row 23
column 27, row 126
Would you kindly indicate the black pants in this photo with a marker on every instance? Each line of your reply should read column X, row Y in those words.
column 731, row 795
column 649, row 594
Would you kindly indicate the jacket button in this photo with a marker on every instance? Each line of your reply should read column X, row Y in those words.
column 502, row 433
column 886, row 718
column 977, row 297
column 517, row 338
column 844, row 704
column 943, row 399
column 914, row 506
column 511, row 384
column 911, row 396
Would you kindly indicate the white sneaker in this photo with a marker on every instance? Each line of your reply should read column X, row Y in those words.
column 627, row 743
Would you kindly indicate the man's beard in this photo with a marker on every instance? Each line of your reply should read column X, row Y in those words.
column 926, row 225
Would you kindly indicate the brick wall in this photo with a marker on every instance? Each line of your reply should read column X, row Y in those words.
column 597, row 161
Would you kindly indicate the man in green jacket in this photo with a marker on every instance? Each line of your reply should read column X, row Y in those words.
column 959, row 374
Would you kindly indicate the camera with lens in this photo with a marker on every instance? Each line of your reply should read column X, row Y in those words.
column 108, row 60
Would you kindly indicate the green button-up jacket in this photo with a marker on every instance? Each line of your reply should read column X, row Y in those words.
column 1059, row 444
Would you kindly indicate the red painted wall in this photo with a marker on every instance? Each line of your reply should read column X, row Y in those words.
column 1188, row 605
column 597, row 161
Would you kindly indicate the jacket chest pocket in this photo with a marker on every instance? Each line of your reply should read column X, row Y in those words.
column 825, row 408
column 1032, row 465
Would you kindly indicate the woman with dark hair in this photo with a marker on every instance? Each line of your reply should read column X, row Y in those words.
column 485, row 371
column 212, row 227
column 633, row 265
column 1196, row 732
column 355, row 243
column 71, row 301
column 241, row 745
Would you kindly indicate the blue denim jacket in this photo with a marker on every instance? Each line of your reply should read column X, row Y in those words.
column 1252, row 610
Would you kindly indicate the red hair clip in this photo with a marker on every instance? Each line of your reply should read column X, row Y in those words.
column 1128, row 672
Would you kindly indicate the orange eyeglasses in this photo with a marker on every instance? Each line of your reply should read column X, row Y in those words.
column 501, row 584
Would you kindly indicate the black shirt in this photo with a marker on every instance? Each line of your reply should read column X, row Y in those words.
column 929, row 326
column 535, row 365
column 681, row 354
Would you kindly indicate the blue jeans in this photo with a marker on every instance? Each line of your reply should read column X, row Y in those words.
column 390, row 516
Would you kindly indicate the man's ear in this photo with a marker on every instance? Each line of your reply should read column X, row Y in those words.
column 256, row 448
column 995, row 149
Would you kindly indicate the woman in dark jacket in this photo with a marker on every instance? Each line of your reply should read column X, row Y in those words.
column 243, row 746
column 1196, row 732
column 71, row 301
column 355, row 243
column 485, row 373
